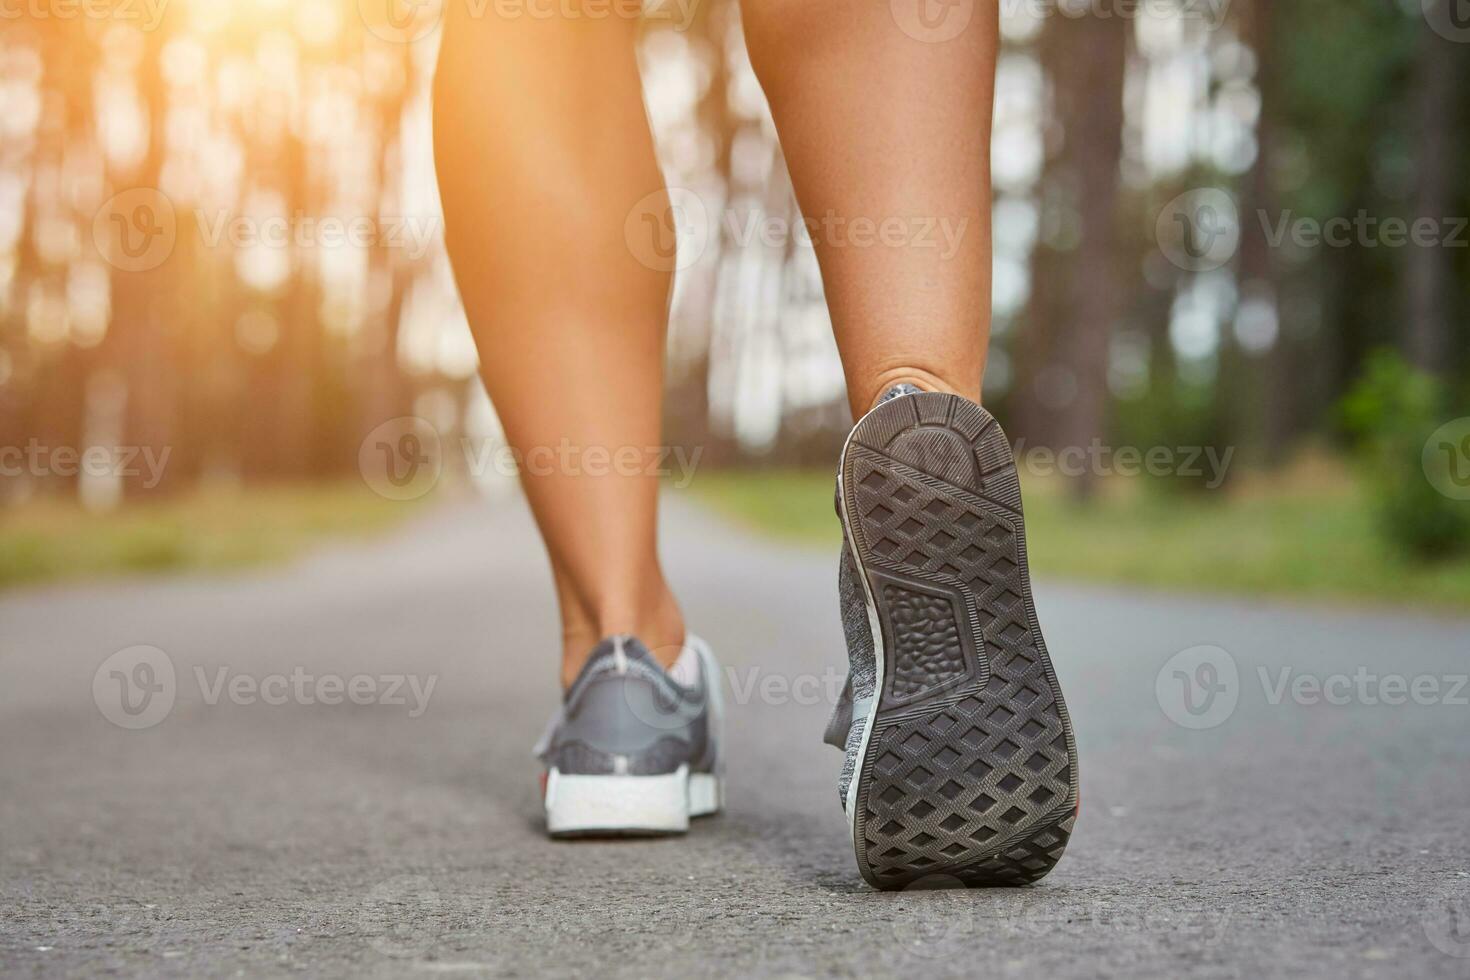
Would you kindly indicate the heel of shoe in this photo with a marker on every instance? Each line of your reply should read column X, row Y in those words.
column 706, row 794
column 590, row 805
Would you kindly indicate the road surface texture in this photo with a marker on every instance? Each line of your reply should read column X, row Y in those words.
column 229, row 836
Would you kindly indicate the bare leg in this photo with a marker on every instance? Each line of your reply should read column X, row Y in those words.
column 542, row 149
column 881, row 127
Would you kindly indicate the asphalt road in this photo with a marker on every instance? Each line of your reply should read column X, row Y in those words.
column 230, row 836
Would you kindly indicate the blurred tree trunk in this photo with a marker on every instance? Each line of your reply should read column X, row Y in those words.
column 1434, row 101
column 53, row 368
column 301, row 337
column 20, row 413
column 1259, row 384
column 1090, row 99
column 139, row 331
column 687, row 420
column 384, row 392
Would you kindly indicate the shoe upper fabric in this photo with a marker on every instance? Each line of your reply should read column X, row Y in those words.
column 845, row 728
column 625, row 716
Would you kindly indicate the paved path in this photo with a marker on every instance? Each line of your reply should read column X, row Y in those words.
column 246, row 838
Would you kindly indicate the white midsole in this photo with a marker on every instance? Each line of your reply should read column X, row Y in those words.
column 658, row 804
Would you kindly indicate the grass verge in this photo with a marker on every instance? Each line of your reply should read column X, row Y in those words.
column 50, row 540
column 1306, row 534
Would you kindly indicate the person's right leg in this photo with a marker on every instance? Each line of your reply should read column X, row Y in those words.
column 542, row 149
column 883, row 128
column 960, row 758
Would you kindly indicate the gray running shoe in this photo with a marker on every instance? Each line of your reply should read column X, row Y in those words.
column 961, row 760
column 632, row 751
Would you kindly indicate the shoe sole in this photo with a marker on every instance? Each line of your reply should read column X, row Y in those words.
column 628, row 806
column 967, row 768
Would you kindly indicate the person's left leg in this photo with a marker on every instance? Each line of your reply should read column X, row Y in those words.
column 543, row 152
column 542, row 149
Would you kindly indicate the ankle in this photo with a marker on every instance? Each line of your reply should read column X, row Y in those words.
column 867, row 396
column 657, row 622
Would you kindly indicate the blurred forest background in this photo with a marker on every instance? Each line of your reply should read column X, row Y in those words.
column 263, row 358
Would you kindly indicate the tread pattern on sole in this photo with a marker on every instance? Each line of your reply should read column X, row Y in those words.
column 970, row 769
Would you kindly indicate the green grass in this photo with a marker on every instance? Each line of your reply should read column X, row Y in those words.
column 1304, row 535
column 49, row 540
